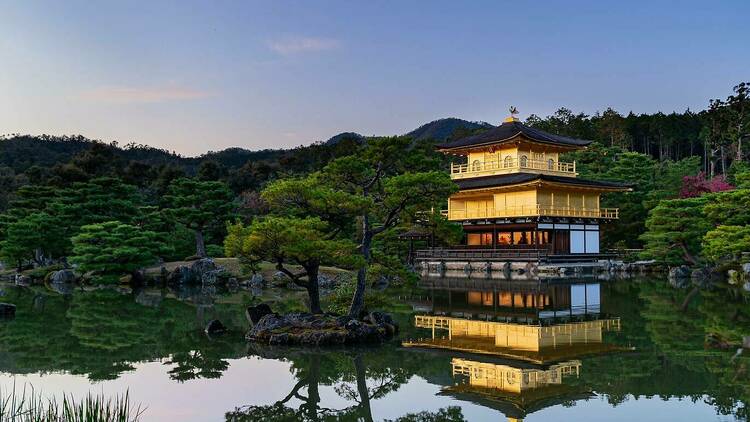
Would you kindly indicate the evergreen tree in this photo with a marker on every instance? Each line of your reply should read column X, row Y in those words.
column 33, row 238
column 112, row 249
column 288, row 240
column 200, row 206
column 675, row 229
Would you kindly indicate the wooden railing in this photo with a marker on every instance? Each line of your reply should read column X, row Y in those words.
column 532, row 210
column 474, row 254
column 510, row 165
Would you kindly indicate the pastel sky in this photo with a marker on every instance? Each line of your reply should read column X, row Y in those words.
column 199, row 76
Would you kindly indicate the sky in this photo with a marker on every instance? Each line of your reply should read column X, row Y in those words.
column 193, row 77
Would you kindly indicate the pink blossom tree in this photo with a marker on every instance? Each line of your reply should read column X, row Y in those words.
column 694, row 186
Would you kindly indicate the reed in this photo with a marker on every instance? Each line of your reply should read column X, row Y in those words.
column 28, row 405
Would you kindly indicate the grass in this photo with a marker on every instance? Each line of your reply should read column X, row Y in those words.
column 29, row 406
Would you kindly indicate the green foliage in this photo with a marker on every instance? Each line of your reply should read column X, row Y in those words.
column 112, row 249
column 728, row 208
column 341, row 298
column 726, row 243
column 32, row 237
column 200, row 206
column 216, row 251
column 288, row 239
column 448, row 414
column 675, row 229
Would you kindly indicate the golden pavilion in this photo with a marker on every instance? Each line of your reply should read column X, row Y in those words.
column 515, row 192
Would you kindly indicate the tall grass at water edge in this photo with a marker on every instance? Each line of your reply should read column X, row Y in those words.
column 27, row 405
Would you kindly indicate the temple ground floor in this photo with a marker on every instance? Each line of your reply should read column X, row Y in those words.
column 554, row 237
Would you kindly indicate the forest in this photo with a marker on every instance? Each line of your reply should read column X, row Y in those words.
column 112, row 209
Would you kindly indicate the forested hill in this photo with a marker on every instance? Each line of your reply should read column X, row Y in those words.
column 21, row 152
column 444, row 129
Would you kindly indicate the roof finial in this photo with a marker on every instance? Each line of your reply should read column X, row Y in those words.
column 512, row 118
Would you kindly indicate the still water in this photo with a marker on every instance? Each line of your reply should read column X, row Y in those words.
column 475, row 350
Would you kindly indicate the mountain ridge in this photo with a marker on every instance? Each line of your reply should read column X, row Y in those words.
column 21, row 152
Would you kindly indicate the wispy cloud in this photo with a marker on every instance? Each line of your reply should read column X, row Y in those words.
column 133, row 95
column 296, row 45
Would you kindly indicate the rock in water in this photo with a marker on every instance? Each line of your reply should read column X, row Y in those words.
column 215, row 327
column 62, row 276
column 746, row 342
column 683, row 271
column 746, row 270
column 700, row 276
column 257, row 281
column 7, row 310
column 733, row 277
column 150, row 299
column 203, row 271
column 22, row 280
column 679, row 276
column 255, row 313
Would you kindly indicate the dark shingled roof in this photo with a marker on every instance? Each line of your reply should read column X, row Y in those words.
column 518, row 178
column 509, row 130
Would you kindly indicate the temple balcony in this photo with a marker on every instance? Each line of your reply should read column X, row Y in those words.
column 537, row 210
column 512, row 165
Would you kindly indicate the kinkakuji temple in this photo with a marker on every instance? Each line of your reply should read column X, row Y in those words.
column 515, row 194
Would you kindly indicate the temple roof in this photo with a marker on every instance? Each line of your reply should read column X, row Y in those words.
column 520, row 178
column 509, row 130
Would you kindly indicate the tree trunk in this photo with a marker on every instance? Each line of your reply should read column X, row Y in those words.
column 358, row 300
column 364, row 393
column 200, row 245
column 313, row 288
column 313, row 393
column 688, row 298
column 689, row 258
column 739, row 141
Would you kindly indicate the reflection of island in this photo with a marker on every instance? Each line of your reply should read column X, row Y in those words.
column 523, row 338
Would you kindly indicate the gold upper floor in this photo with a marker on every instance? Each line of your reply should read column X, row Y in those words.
column 520, row 156
column 534, row 200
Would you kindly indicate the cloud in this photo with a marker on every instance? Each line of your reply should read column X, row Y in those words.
column 137, row 95
column 289, row 46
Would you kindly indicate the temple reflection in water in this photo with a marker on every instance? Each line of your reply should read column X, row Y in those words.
column 519, row 341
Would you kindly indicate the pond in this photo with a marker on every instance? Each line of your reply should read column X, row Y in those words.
column 475, row 350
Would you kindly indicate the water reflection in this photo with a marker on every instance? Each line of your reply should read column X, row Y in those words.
column 537, row 328
column 357, row 379
column 477, row 350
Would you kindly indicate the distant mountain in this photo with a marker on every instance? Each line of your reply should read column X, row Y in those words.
column 21, row 152
column 344, row 136
column 442, row 130
column 236, row 157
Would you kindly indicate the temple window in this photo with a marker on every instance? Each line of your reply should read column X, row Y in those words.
column 504, row 238
column 508, row 162
column 476, row 165
column 521, row 238
column 524, row 160
column 551, row 164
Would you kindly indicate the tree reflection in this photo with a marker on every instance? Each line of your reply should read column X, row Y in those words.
column 358, row 377
column 103, row 333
